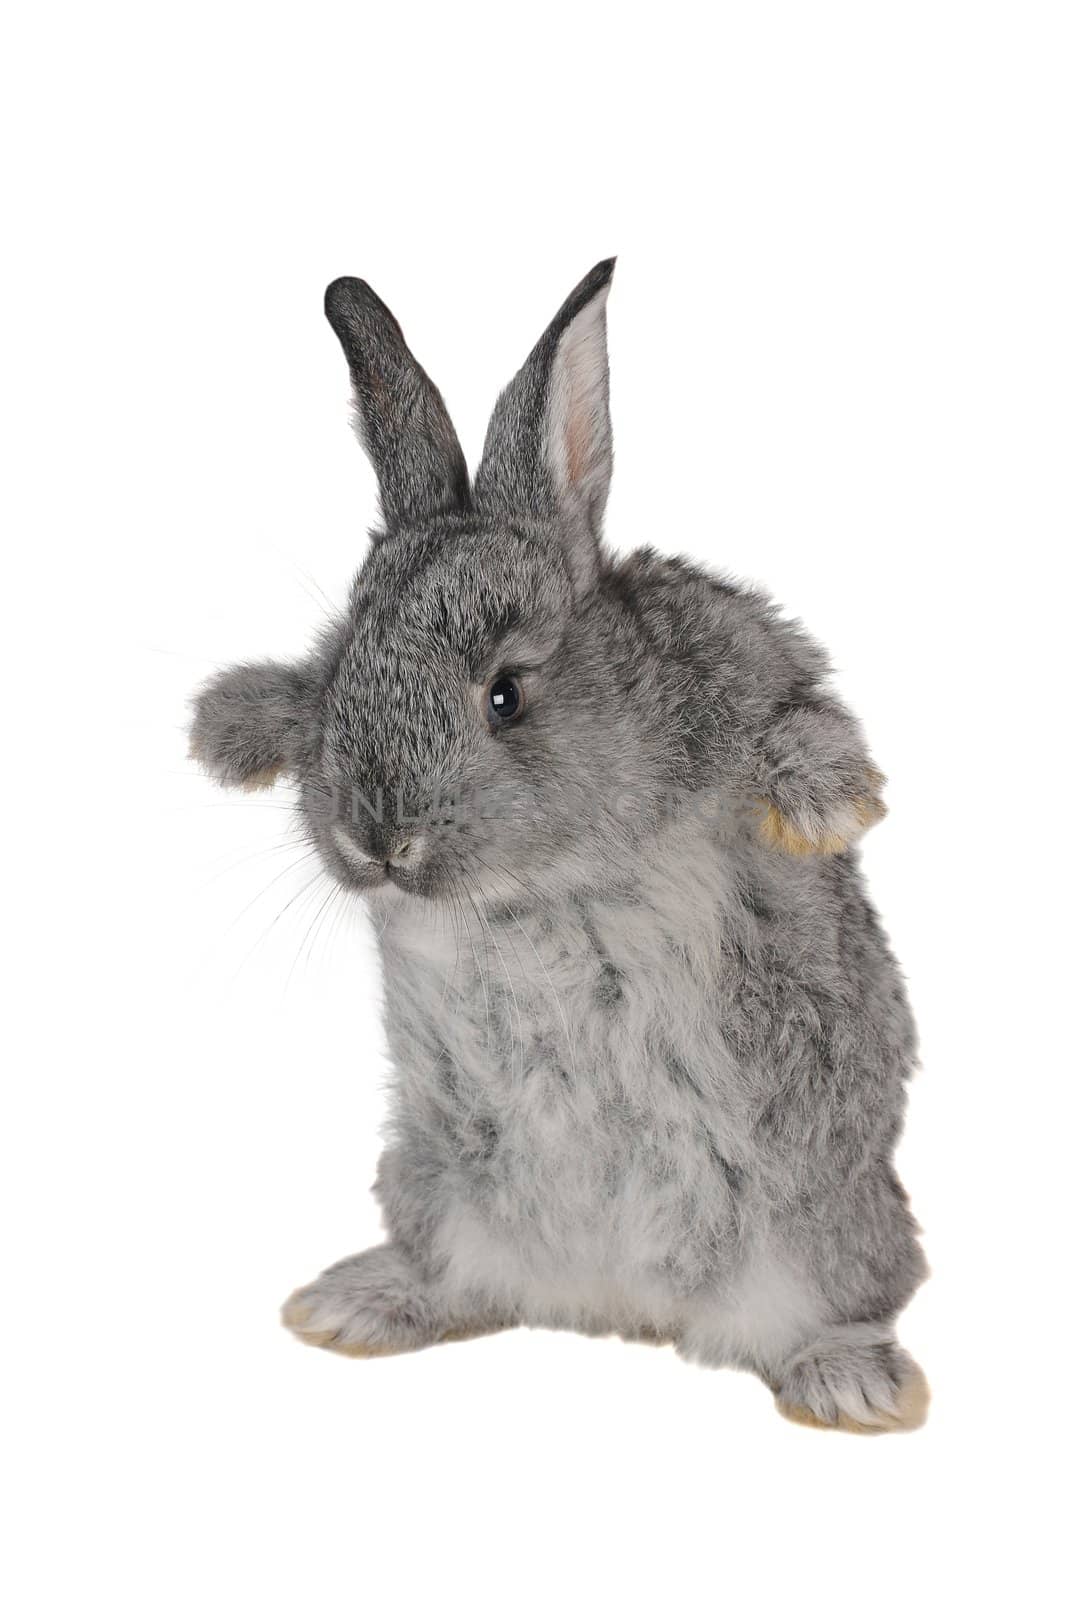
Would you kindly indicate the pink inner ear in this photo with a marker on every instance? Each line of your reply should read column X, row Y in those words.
column 578, row 440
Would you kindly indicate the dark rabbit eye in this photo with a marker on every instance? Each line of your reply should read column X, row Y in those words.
column 505, row 700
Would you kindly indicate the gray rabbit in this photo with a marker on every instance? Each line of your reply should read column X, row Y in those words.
column 650, row 1044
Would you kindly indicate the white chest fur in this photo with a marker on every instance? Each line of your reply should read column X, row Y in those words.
column 565, row 1067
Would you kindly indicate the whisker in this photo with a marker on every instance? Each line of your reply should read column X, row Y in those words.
column 313, row 883
column 290, row 867
column 321, row 598
column 245, row 804
column 309, row 934
column 340, row 916
column 257, row 855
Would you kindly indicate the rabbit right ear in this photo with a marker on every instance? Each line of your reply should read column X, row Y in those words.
column 402, row 420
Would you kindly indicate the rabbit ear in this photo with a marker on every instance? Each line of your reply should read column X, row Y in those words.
column 401, row 418
column 548, row 448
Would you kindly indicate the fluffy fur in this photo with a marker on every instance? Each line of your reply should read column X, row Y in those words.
column 650, row 1043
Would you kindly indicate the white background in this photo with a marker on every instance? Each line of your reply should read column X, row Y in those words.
column 838, row 345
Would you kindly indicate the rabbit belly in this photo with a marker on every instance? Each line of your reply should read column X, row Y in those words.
column 567, row 1121
column 645, row 1112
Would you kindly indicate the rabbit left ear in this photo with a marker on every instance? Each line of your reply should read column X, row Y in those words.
column 548, row 449
column 402, row 420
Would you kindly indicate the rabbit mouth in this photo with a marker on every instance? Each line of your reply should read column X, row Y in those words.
column 399, row 866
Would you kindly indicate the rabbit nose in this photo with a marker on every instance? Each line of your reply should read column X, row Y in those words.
column 379, row 851
column 405, row 852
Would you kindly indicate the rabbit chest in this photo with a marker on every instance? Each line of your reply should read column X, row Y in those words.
column 563, row 1091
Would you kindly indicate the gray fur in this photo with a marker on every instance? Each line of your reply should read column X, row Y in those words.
column 650, row 1065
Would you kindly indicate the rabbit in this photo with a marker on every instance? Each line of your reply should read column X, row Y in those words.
column 650, row 1044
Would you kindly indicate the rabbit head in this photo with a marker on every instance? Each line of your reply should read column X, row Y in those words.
column 465, row 724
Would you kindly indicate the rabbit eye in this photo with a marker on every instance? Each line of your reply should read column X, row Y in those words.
column 505, row 700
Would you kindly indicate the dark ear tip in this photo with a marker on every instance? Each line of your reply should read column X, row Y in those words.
column 351, row 303
column 343, row 295
column 595, row 282
column 601, row 275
